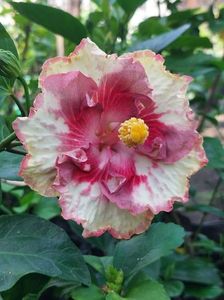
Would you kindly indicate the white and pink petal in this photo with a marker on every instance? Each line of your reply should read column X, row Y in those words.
column 40, row 134
column 47, row 131
column 156, row 185
column 85, row 204
column 88, row 59
column 168, row 90
column 162, row 184
column 83, row 201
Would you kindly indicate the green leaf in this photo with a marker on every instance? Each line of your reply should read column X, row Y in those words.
column 30, row 283
column 148, row 289
column 133, row 255
column 4, row 131
column 161, row 41
column 215, row 153
column 196, row 270
column 203, row 291
column 151, row 26
column 104, row 242
column 10, row 163
column 4, row 90
column 179, row 17
column 84, row 293
column 194, row 64
column 99, row 263
column 66, row 286
column 26, row 202
column 190, row 42
column 54, row 19
column 30, row 297
column 130, row 6
column 208, row 246
column 6, row 42
column 29, row 244
column 114, row 296
column 207, row 209
column 174, row 288
column 47, row 208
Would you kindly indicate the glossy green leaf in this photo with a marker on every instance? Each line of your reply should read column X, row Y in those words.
column 151, row 26
column 145, row 290
column 130, row 6
column 27, row 285
column 133, row 255
column 29, row 244
column 47, row 208
column 104, row 242
column 4, row 90
column 26, row 202
column 204, row 291
column 10, row 164
column 4, row 131
column 174, row 288
column 83, row 293
column 196, row 270
column 207, row 209
column 161, row 41
column 215, row 153
column 198, row 63
column 99, row 263
column 54, row 19
column 6, row 42
column 114, row 296
column 190, row 42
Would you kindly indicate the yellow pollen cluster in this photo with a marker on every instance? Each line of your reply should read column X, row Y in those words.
column 133, row 132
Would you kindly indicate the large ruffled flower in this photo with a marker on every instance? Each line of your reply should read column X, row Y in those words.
column 114, row 137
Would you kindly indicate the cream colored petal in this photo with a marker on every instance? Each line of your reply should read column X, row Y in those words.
column 86, row 58
column 40, row 133
column 84, row 203
column 162, row 183
column 168, row 90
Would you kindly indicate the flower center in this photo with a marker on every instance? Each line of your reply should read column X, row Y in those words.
column 133, row 132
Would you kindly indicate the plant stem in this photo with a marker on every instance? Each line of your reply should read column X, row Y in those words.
column 6, row 141
column 211, row 101
column 5, row 210
column 2, row 206
column 198, row 230
column 23, row 113
column 16, row 151
column 14, row 144
column 26, row 90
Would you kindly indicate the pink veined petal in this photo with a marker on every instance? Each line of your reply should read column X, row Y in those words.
column 156, row 185
column 71, row 93
column 98, row 215
column 119, row 91
column 167, row 143
column 130, row 80
column 46, row 132
column 86, row 58
column 161, row 184
column 40, row 134
column 168, row 90
column 84, row 203
column 84, row 128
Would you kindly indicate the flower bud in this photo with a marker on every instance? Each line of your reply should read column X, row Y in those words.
column 9, row 64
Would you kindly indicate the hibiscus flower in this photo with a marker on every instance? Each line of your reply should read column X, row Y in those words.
column 113, row 137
